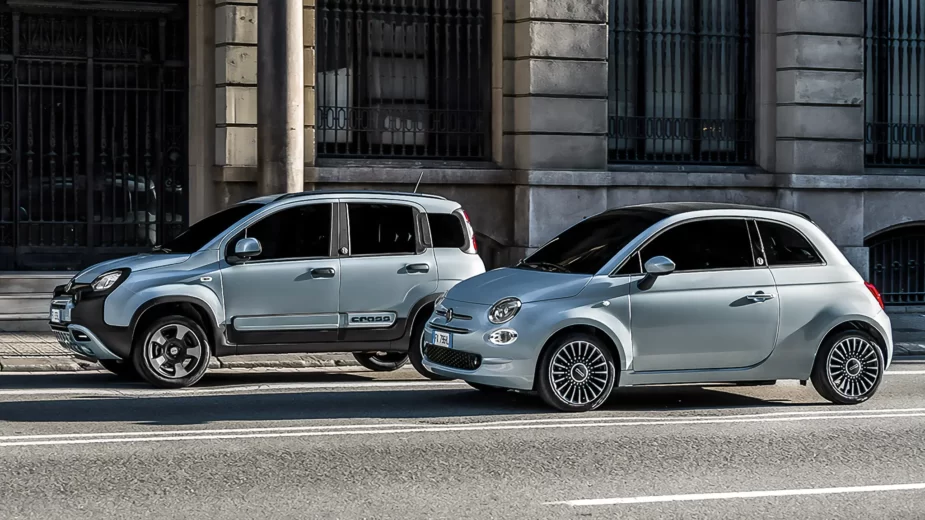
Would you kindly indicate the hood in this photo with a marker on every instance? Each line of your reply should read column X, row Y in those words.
column 136, row 263
column 526, row 284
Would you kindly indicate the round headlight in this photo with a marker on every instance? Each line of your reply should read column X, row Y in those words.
column 106, row 280
column 504, row 310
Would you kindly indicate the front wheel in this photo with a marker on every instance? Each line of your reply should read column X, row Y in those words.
column 381, row 361
column 576, row 373
column 416, row 350
column 848, row 368
column 172, row 352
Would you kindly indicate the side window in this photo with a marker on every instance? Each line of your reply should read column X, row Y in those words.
column 785, row 246
column 381, row 229
column 706, row 244
column 446, row 230
column 631, row 266
column 299, row 232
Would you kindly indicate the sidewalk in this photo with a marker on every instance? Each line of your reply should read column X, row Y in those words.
column 38, row 352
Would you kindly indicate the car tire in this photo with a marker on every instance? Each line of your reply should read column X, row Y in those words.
column 588, row 378
column 381, row 361
column 172, row 352
column 416, row 348
column 848, row 368
column 123, row 369
column 487, row 388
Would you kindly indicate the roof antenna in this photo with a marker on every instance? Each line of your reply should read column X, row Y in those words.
column 419, row 182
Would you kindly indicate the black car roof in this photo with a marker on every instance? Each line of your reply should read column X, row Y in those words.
column 667, row 209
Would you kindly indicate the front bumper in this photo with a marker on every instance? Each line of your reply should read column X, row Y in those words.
column 507, row 366
column 78, row 326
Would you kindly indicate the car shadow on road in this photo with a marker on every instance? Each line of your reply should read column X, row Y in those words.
column 429, row 403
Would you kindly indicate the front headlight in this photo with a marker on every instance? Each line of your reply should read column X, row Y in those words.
column 107, row 280
column 504, row 311
column 439, row 300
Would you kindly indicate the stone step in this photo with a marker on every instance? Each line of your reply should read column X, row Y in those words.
column 24, row 298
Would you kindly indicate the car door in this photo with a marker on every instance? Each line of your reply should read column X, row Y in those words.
column 385, row 269
column 717, row 310
column 290, row 292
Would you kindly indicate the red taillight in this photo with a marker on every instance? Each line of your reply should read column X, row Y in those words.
column 473, row 246
column 873, row 290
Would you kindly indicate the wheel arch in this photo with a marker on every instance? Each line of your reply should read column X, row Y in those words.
column 595, row 330
column 854, row 323
column 187, row 306
column 421, row 310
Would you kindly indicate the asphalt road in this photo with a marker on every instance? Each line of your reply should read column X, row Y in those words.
column 356, row 445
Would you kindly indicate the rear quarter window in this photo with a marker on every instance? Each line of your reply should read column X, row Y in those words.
column 446, row 230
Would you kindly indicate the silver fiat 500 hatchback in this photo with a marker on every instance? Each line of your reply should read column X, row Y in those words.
column 664, row 294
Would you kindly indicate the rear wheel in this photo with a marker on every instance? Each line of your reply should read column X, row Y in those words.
column 416, row 348
column 576, row 373
column 848, row 368
column 123, row 369
column 381, row 361
column 172, row 352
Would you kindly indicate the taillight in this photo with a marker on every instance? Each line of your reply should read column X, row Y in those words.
column 473, row 247
column 873, row 290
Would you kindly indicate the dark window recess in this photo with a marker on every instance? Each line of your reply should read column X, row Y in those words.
column 300, row 232
column 681, row 81
column 704, row 245
column 446, row 230
column 587, row 246
column 895, row 83
column 409, row 79
column 897, row 265
column 200, row 233
column 785, row 246
column 632, row 266
column 381, row 229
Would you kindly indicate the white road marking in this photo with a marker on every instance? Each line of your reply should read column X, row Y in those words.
column 905, row 372
column 411, row 428
column 740, row 494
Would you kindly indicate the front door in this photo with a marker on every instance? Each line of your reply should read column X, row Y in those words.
column 386, row 271
column 719, row 309
column 289, row 294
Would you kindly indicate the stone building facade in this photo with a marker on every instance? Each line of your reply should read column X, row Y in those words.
column 536, row 113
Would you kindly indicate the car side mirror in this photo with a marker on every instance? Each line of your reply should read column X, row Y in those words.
column 247, row 248
column 655, row 267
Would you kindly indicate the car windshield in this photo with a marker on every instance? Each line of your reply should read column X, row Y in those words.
column 587, row 246
column 200, row 233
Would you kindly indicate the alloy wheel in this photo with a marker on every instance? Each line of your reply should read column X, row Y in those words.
column 853, row 367
column 174, row 351
column 578, row 373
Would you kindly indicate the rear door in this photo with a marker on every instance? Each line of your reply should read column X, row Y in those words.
column 385, row 268
column 719, row 309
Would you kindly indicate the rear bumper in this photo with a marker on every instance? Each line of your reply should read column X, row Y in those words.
column 886, row 330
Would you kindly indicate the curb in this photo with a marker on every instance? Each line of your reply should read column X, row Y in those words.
column 72, row 364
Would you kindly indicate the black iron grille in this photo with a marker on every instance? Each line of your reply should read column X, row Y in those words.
column 895, row 83
column 404, row 79
column 452, row 358
column 897, row 265
column 682, row 81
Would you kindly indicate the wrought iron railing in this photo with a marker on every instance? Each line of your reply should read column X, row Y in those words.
column 406, row 78
column 895, row 83
column 682, row 81
column 897, row 265
column 92, row 135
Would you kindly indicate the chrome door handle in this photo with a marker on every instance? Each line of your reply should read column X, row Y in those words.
column 759, row 297
column 323, row 272
column 417, row 268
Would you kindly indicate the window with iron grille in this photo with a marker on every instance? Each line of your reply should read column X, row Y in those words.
column 897, row 259
column 682, row 81
column 895, row 83
column 404, row 78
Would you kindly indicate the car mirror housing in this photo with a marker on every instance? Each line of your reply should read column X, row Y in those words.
column 655, row 267
column 247, row 248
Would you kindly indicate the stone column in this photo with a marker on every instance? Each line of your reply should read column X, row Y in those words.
column 820, row 115
column 201, row 109
column 280, row 97
column 308, row 40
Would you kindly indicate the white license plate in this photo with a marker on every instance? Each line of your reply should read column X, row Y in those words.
column 56, row 315
column 443, row 339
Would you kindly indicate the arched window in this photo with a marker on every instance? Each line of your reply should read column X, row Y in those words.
column 897, row 259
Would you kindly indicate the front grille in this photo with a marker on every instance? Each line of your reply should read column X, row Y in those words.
column 452, row 358
column 66, row 340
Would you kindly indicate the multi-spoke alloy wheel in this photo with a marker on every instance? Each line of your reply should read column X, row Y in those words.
column 577, row 373
column 381, row 361
column 172, row 352
column 849, row 368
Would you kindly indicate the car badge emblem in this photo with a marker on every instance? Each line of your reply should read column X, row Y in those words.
column 449, row 315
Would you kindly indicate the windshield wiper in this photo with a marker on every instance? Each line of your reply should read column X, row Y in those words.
column 547, row 265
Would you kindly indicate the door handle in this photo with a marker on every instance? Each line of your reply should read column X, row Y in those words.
column 417, row 268
column 759, row 296
column 323, row 272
